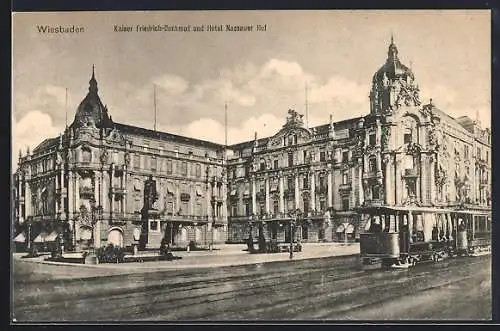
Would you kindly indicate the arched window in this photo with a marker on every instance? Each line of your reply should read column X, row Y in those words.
column 408, row 135
column 86, row 155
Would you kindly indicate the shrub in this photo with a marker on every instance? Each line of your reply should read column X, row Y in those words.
column 110, row 254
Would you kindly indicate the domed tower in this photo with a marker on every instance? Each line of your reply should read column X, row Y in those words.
column 393, row 85
column 91, row 112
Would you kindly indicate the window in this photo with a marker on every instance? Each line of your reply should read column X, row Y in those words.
column 305, row 182
column 247, row 209
column 372, row 139
column 375, row 192
column 262, row 165
column 276, row 206
column 411, row 188
column 276, row 164
column 372, row 164
column 306, row 206
column 145, row 145
column 290, row 140
column 487, row 156
column 322, row 182
column 345, row 156
column 407, row 136
column 137, row 161
column 153, row 226
column 305, row 156
column 153, row 164
column 198, row 170
column 478, row 153
column 322, row 157
column 290, row 159
column 234, row 210
column 345, row 204
column 322, row 205
column 344, row 178
column 169, row 167
column 290, row 184
column 247, row 170
column 184, row 168
column 466, row 151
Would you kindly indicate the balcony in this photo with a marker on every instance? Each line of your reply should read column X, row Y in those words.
column 374, row 202
column 411, row 173
column 118, row 190
column 372, row 174
column 86, row 191
column 345, row 188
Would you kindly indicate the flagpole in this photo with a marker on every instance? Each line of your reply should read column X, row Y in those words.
column 154, row 100
column 66, row 108
column 307, row 110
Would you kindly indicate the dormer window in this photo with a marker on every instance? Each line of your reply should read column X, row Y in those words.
column 408, row 136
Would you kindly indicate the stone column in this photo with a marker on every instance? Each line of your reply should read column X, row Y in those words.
column 224, row 201
column 104, row 192
column 432, row 181
column 312, row 184
column 423, row 179
column 254, row 196
column 410, row 225
column 71, row 195
column 207, row 201
column 77, row 193
column 297, row 191
column 360, row 182
column 268, row 207
column 125, row 191
column 111, row 185
column 27, row 199
column 397, row 181
column 388, row 188
column 282, row 198
column 330, row 191
column 61, row 197
column 96, row 187
column 55, row 201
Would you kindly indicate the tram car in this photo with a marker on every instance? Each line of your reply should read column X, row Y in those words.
column 402, row 242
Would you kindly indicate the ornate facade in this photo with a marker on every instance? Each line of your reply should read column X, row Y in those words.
column 89, row 184
column 403, row 159
column 403, row 155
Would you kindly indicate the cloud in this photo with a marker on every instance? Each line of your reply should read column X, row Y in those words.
column 31, row 130
column 171, row 84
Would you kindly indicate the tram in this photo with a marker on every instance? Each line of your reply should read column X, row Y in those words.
column 401, row 238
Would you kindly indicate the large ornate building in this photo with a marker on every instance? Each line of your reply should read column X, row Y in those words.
column 89, row 183
column 403, row 159
column 403, row 156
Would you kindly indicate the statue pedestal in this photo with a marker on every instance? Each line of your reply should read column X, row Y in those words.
column 151, row 230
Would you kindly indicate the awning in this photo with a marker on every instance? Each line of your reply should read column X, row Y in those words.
column 349, row 228
column 20, row 238
column 340, row 228
column 46, row 237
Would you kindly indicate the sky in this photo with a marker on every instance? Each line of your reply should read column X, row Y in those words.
column 259, row 74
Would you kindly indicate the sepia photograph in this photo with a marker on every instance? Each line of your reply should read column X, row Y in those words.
column 263, row 165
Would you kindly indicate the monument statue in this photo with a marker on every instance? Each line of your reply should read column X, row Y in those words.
column 150, row 193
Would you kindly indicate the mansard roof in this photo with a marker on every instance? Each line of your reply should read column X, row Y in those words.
column 135, row 130
column 47, row 143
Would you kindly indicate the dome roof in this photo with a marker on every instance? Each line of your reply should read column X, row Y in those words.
column 393, row 68
column 91, row 109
